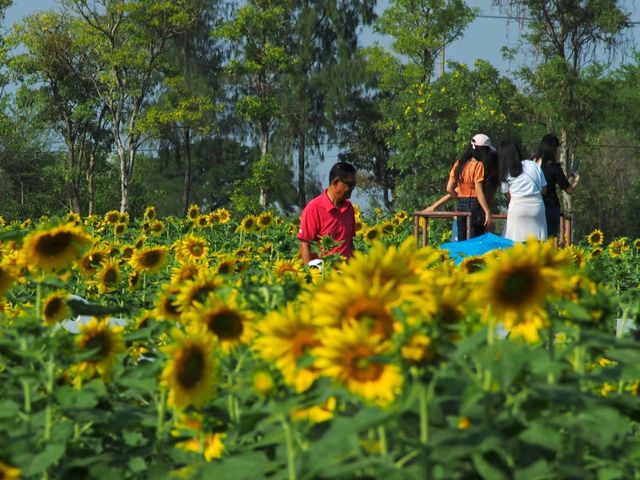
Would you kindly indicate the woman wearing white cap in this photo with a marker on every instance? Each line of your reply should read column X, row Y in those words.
column 467, row 184
column 523, row 183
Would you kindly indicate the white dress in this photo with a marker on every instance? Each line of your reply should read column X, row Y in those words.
column 525, row 216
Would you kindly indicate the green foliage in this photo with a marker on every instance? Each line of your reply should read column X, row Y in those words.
column 434, row 122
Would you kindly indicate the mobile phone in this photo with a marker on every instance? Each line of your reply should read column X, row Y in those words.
column 574, row 166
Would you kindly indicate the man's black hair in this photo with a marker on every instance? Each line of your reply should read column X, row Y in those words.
column 341, row 171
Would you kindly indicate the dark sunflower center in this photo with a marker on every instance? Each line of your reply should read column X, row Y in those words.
column 101, row 343
column 518, row 286
column 372, row 234
column 191, row 368
column 225, row 268
column 54, row 244
column 151, row 258
column 372, row 314
column 226, row 325
column 170, row 307
column 248, row 224
column 304, row 340
column 53, row 307
column 449, row 313
column 110, row 276
column 363, row 369
column 197, row 249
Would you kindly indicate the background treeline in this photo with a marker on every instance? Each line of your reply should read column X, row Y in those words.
column 117, row 104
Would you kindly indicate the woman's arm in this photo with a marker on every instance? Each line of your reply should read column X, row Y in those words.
column 571, row 188
column 451, row 188
column 433, row 207
column 488, row 219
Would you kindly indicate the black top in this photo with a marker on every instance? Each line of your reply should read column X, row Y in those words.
column 554, row 176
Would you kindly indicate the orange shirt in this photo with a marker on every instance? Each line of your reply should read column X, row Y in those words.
column 472, row 172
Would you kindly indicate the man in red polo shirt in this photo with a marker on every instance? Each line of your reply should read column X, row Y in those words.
column 330, row 213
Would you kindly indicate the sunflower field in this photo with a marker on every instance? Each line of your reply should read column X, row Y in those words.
column 203, row 348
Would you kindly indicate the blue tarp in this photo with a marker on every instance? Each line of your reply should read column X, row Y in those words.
column 475, row 246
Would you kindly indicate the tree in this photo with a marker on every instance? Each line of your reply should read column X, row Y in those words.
column 321, row 42
column 565, row 38
column 56, row 73
column 255, row 38
column 420, row 29
column 130, row 39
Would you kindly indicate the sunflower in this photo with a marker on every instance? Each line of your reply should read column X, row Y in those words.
column 360, row 227
column 202, row 221
column 317, row 413
column 193, row 212
column 418, row 350
column 223, row 215
column 56, row 248
column 618, row 247
column 119, row 228
column 90, row 263
column 372, row 234
column 354, row 358
column 636, row 244
column 387, row 228
column 356, row 298
column 149, row 259
column 150, row 213
column 292, row 228
column 401, row 215
column 166, row 306
column 55, row 308
column 186, row 271
column 263, row 383
column 516, row 285
column 156, row 227
column 293, row 267
column 73, row 218
column 191, row 248
column 8, row 472
column 213, row 446
column 108, row 276
column 133, row 281
column 264, row 220
column 226, row 266
column 189, row 373
column 112, row 217
column 286, row 337
column 223, row 318
column 595, row 238
column 248, row 224
column 473, row 264
column 104, row 343
column 7, row 276
column 197, row 290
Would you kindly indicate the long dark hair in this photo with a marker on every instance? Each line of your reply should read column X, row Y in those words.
column 480, row 153
column 509, row 160
column 547, row 149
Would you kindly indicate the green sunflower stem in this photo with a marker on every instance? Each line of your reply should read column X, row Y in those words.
column 382, row 436
column 39, row 300
column 291, row 453
column 491, row 336
column 162, row 404
column 26, row 387
column 49, row 410
column 424, row 414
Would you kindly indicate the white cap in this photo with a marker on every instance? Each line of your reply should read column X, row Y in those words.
column 481, row 140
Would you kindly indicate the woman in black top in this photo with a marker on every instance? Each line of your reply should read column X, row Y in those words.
column 546, row 157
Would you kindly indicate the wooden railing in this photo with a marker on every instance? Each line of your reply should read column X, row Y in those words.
column 564, row 237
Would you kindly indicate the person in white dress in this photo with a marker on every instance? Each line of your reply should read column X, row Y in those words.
column 523, row 183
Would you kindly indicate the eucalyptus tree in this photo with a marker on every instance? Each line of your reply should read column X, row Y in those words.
column 255, row 36
column 55, row 74
column 130, row 39
column 321, row 41
column 565, row 39
column 189, row 103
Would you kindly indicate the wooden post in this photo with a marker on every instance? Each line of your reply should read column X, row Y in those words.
column 425, row 232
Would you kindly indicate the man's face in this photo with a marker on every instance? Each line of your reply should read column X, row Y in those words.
column 342, row 188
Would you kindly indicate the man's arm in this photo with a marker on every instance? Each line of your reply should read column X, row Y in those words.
column 305, row 252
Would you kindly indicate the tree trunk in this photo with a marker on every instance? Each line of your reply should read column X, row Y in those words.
column 302, row 197
column 186, row 186
column 264, row 148
column 90, row 191
column 566, row 155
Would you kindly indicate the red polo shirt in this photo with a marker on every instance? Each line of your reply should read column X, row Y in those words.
column 321, row 217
